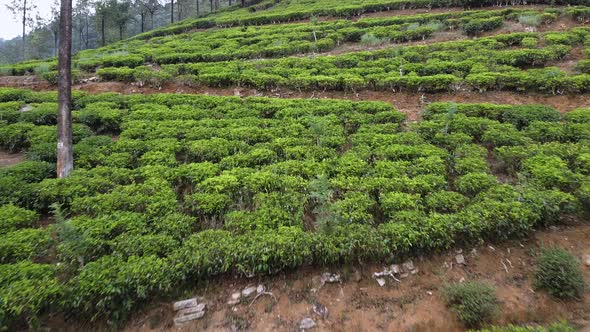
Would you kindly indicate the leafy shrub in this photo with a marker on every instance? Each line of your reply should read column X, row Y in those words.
column 27, row 289
column 555, row 327
column 558, row 272
column 475, row 303
column 13, row 218
column 445, row 201
column 30, row 171
column 23, row 244
column 473, row 183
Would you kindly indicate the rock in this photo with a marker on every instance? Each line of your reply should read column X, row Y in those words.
column 260, row 289
column 408, row 266
column 429, row 293
column 554, row 228
column 235, row 298
column 357, row 276
column 404, row 275
column 460, row 259
column 184, row 304
column 381, row 281
column 396, row 269
column 331, row 277
column 191, row 310
column 181, row 320
column 248, row 291
column 320, row 310
column 307, row 323
column 414, row 271
column 92, row 79
column 237, row 93
column 587, row 259
column 317, row 282
column 26, row 108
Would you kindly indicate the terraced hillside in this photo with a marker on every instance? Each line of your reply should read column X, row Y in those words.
column 171, row 189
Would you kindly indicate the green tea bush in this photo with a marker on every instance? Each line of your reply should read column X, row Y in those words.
column 555, row 327
column 558, row 272
column 13, row 218
column 475, row 303
column 23, row 244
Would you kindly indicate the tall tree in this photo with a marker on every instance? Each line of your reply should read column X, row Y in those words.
column 65, row 152
column 22, row 9
column 171, row 11
column 120, row 14
column 82, row 14
column 101, row 8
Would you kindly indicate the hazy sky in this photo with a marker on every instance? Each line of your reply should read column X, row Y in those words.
column 10, row 27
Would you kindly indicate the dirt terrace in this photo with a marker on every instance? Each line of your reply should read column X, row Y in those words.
column 358, row 303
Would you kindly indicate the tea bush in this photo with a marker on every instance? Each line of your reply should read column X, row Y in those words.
column 558, row 272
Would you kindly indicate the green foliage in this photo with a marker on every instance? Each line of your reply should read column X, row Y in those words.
column 558, row 272
column 13, row 218
column 23, row 244
column 475, row 303
column 555, row 327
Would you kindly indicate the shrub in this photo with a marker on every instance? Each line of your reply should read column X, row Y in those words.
column 13, row 218
column 475, row 303
column 445, row 201
column 24, row 244
column 473, row 183
column 555, row 327
column 558, row 272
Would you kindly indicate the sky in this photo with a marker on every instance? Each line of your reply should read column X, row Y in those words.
column 11, row 27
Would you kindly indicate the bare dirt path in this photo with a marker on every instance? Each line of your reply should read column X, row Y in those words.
column 10, row 159
column 358, row 303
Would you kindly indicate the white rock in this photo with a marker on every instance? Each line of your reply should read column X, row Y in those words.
column 181, row 320
column 307, row 323
column 587, row 259
column 331, row 277
column 408, row 266
column 26, row 108
column 460, row 259
column 185, row 304
column 396, row 269
column 235, row 298
column 404, row 275
column 191, row 310
column 320, row 310
column 248, row 291
column 260, row 289
column 381, row 281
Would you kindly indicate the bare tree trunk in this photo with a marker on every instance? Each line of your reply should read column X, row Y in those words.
column 24, row 30
column 198, row 11
column 211, row 1
column 172, row 11
column 142, row 21
column 86, row 40
column 65, row 153
column 243, row 3
column 102, row 29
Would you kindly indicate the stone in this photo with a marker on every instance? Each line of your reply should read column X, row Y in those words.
column 248, row 291
column 181, row 320
column 191, row 310
column 235, row 298
column 414, row 271
column 26, row 108
column 320, row 310
column 460, row 259
column 260, row 289
column 357, row 276
column 307, row 323
column 408, row 266
column 396, row 269
column 381, row 281
column 317, row 282
column 404, row 275
column 331, row 277
column 587, row 259
column 185, row 304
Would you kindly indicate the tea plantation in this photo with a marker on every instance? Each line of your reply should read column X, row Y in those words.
column 170, row 189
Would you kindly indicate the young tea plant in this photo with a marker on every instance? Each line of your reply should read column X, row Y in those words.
column 474, row 302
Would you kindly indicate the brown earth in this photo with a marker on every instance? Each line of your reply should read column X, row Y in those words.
column 10, row 159
column 413, row 304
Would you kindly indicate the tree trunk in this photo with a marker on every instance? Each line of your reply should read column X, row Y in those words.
column 243, row 3
column 24, row 30
column 102, row 29
column 172, row 11
column 86, row 40
column 197, row 3
column 142, row 22
column 121, row 32
column 152, row 19
column 65, row 153
column 211, row 5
